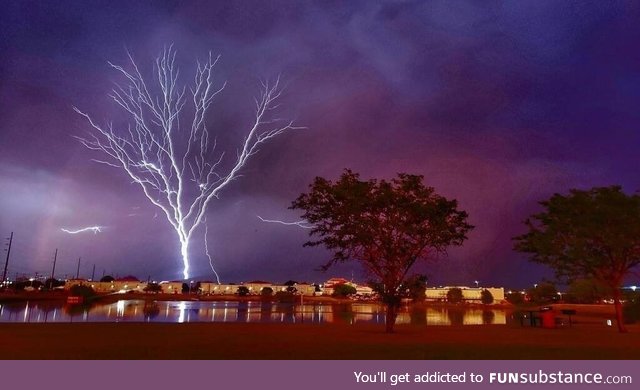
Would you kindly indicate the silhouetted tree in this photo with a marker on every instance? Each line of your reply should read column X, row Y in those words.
column 153, row 288
column 243, row 291
column 414, row 287
column 454, row 295
column 107, row 278
column 515, row 297
column 385, row 225
column 544, row 292
column 50, row 283
column 266, row 292
column 586, row 291
column 486, row 297
column 587, row 234
column 343, row 290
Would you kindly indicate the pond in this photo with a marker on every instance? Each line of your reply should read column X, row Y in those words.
column 233, row 311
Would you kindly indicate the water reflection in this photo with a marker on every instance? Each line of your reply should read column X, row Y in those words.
column 231, row 311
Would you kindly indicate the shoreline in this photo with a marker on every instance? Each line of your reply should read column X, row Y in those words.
column 264, row 341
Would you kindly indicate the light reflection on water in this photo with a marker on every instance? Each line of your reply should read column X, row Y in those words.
column 231, row 311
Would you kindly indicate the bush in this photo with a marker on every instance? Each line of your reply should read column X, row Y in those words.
column 415, row 287
column 243, row 291
column 50, row 284
column 107, row 278
column 515, row 298
column 586, row 291
column 153, row 288
column 454, row 295
column 486, row 297
column 266, row 292
column 81, row 290
column 631, row 309
column 544, row 292
column 285, row 296
column 343, row 290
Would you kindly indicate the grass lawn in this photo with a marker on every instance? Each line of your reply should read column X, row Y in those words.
column 308, row 341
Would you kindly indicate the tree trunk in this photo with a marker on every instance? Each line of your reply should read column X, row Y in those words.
column 392, row 313
column 618, row 306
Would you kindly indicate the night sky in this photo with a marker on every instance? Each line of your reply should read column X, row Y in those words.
column 498, row 105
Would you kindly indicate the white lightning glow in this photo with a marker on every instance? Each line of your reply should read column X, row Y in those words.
column 178, row 169
column 206, row 248
column 94, row 229
column 302, row 224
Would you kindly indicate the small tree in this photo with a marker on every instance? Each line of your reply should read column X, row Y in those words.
column 586, row 290
column 486, row 297
column 343, row 290
column 107, row 278
column 592, row 234
column 415, row 287
column 454, row 295
column 515, row 298
column 81, row 290
column 243, row 291
column 266, row 292
column 50, row 283
column 385, row 225
column 541, row 293
column 285, row 297
column 153, row 288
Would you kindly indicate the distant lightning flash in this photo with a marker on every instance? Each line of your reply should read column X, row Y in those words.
column 94, row 229
column 303, row 224
column 206, row 248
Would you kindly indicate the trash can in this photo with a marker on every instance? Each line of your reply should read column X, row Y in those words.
column 548, row 319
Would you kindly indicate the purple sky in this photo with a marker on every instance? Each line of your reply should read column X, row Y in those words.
column 497, row 104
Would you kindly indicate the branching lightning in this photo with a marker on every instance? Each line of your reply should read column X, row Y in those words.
column 94, row 229
column 206, row 248
column 303, row 224
column 178, row 169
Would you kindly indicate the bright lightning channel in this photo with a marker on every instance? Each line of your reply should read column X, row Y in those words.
column 94, row 229
column 303, row 224
column 206, row 247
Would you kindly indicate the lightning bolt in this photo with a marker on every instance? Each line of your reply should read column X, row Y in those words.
column 206, row 248
column 94, row 229
column 302, row 224
column 179, row 168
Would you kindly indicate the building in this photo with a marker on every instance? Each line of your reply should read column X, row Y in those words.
column 469, row 294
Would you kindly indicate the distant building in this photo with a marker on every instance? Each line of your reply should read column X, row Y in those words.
column 469, row 294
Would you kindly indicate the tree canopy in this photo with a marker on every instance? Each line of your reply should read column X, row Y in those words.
column 385, row 225
column 587, row 234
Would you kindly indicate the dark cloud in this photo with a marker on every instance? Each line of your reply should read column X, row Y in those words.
column 498, row 104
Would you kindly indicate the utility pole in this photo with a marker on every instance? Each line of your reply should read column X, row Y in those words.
column 53, row 270
column 78, row 271
column 6, row 263
column 93, row 273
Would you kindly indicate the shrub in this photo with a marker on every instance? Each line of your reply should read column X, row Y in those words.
column 343, row 290
column 81, row 290
column 631, row 309
column 242, row 291
column 266, row 292
column 486, row 297
column 515, row 298
column 153, row 288
column 454, row 295
column 285, row 296
column 107, row 278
